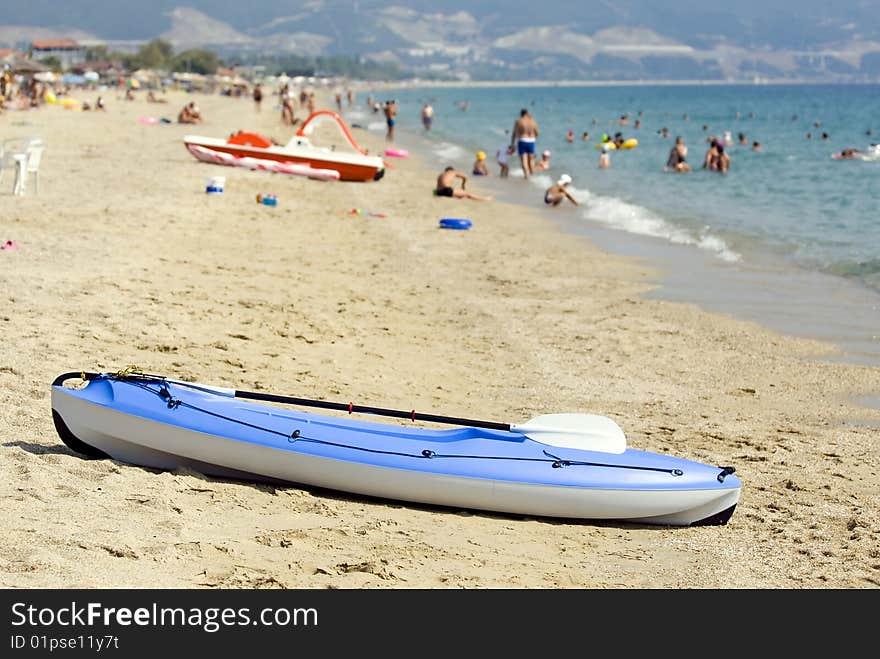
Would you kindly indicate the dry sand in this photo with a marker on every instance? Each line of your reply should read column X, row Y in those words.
column 125, row 260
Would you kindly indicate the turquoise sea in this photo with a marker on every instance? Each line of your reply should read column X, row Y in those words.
column 790, row 236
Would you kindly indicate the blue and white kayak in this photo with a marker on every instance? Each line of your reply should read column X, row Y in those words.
column 161, row 423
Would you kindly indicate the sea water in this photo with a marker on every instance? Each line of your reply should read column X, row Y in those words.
column 789, row 236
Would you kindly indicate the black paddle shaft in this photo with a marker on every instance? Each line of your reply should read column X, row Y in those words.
column 363, row 409
column 328, row 405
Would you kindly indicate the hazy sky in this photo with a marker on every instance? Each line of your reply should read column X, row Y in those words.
column 778, row 23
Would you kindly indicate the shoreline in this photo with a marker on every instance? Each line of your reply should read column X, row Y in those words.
column 743, row 290
column 453, row 84
column 306, row 299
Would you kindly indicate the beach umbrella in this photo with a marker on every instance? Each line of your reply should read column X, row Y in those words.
column 20, row 64
column 91, row 76
column 44, row 76
column 73, row 79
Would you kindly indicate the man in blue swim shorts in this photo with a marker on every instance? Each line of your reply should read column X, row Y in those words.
column 390, row 119
column 524, row 136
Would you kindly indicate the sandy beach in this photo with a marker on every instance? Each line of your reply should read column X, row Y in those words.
column 124, row 259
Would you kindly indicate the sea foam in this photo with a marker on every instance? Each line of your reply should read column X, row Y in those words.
column 619, row 214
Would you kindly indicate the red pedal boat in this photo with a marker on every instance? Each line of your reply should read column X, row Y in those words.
column 353, row 164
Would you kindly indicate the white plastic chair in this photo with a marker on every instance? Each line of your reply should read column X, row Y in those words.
column 28, row 163
column 34, row 156
column 7, row 149
column 12, row 147
column 20, row 160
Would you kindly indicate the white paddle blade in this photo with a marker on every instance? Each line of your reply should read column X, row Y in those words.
column 588, row 432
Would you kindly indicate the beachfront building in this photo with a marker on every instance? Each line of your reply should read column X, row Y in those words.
column 66, row 51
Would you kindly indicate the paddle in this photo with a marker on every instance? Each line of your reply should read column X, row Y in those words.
column 589, row 432
column 580, row 431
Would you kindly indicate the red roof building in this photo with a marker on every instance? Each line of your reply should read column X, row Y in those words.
column 55, row 44
column 67, row 51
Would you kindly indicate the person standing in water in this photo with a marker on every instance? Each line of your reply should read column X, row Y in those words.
column 427, row 116
column 544, row 162
column 723, row 160
column 605, row 157
column 710, row 161
column 677, row 160
column 501, row 157
column 524, row 136
column 390, row 119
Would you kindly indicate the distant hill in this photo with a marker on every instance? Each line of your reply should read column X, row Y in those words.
column 509, row 39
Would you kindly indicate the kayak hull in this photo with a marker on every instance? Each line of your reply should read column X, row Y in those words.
column 132, row 423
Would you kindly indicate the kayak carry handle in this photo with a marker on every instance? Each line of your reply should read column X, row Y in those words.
column 725, row 471
column 81, row 375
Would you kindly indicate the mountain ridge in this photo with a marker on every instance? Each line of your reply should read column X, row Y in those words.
column 588, row 39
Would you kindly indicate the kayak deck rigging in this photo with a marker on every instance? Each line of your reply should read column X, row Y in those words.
column 297, row 436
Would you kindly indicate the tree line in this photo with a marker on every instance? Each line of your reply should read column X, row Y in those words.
column 159, row 54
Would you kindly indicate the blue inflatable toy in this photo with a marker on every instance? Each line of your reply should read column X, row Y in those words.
column 455, row 223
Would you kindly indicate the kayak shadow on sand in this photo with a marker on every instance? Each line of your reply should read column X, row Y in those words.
column 42, row 449
column 271, row 486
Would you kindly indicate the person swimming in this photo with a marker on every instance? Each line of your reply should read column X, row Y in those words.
column 849, row 154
